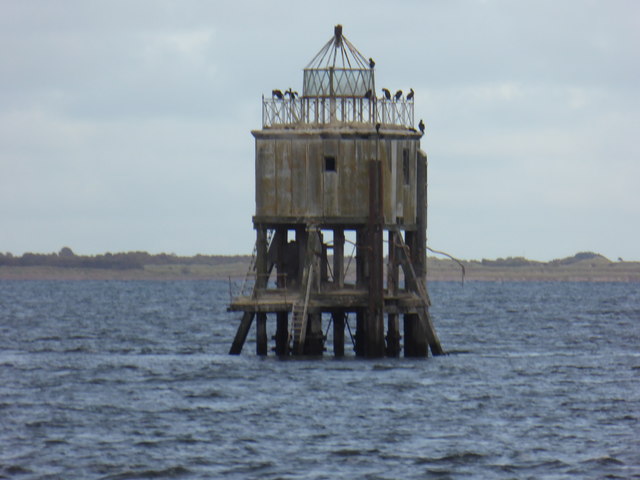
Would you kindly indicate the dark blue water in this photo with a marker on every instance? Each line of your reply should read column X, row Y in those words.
column 131, row 380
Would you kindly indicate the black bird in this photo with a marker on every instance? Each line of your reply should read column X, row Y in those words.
column 410, row 94
column 372, row 63
column 277, row 94
column 378, row 128
column 421, row 126
column 291, row 93
column 387, row 93
column 368, row 94
column 398, row 95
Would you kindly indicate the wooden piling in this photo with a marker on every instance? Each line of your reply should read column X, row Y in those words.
column 241, row 334
column 374, row 323
column 338, row 257
column 338, row 333
column 282, row 333
column 261, row 334
column 393, row 273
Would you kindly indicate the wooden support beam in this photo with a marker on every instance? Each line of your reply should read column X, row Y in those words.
column 338, row 333
column 262, row 260
column 261, row 334
column 424, row 326
column 415, row 341
column 393, row 276
column 374, row 325
column 241, row 334
column 393, row 335
column 324, row 266
column 361, row 258
column 359, row 336
column 314, row 339
column 338, row 257
column 419, row 247
column 282, row 333
column 393, row 271
column 277, row 253
column 302, row 238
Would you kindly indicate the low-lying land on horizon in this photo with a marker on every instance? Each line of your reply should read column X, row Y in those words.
column 65, row 265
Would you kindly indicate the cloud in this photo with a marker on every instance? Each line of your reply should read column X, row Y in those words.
column 126, row 124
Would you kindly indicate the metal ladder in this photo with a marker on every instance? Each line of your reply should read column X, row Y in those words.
column 252, row 262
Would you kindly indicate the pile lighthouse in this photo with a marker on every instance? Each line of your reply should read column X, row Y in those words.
column 338, row 166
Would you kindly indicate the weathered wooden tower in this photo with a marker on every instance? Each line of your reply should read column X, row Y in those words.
column 336, row 166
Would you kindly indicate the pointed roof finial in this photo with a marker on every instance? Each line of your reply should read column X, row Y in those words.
column 337, row 32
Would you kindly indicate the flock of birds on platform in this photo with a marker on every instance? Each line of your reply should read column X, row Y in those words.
column 369, row 94
column 278, row 94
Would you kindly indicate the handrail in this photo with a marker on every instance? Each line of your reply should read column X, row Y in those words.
column 341, row 110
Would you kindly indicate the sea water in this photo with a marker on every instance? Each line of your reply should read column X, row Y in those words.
column 131, row 380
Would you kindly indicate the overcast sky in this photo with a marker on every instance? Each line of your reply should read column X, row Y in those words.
column 125, row 125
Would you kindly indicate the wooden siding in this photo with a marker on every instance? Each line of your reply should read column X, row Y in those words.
column 292, row 180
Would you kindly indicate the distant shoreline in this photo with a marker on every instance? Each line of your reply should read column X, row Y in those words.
column 581, row 268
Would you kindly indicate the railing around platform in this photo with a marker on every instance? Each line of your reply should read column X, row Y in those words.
column 338, row 110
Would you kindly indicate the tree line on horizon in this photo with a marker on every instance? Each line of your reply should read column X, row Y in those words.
column 65, row 258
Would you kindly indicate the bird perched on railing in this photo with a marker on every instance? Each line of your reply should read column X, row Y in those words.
column 291, row 93
column 387, row 93
column 421, row 126
column 368, row 94
column 371, row 63
column 398, row 95
column 410, row 94
column 277, row 94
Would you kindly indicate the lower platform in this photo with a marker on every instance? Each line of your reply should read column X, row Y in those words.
column 348, row 300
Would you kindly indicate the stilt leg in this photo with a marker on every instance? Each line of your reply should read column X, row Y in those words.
column 282, row 333
column 393, row 335
column 338, row 334
column 261, row 334
column 241, row 334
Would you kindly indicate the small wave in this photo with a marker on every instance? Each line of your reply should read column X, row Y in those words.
column 206, row 394
column 56, row 441
column 354, row 452
column 171, row 472
column 604, row 461
column 13, row 470
column 80, row 349
column 48, row 338
column 460, row 458
column 130, row 367
column 382, row 367
column 147, row 444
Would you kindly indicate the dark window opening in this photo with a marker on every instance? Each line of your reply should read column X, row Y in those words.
column 329, row 164
column 405, row 165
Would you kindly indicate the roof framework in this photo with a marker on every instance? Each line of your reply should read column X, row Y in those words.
column 338, row 52
column 338, row 70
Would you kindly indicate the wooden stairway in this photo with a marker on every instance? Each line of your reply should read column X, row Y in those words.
column 299, row 312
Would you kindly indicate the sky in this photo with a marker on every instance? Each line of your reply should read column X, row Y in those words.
column 126, row 124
